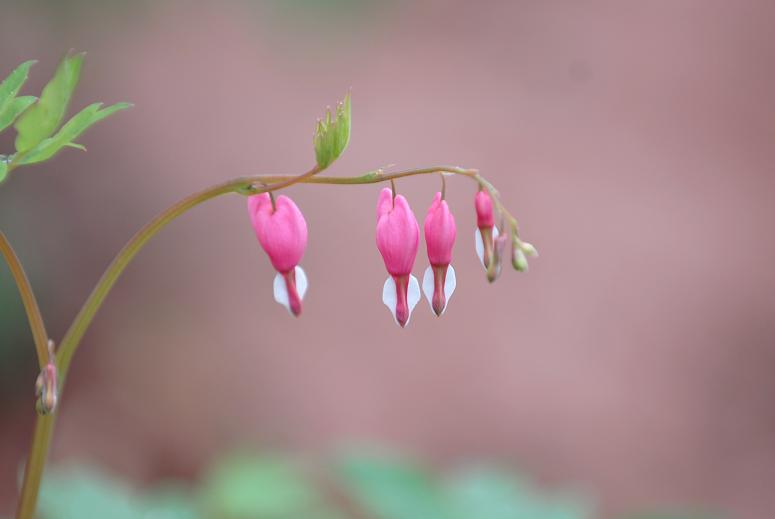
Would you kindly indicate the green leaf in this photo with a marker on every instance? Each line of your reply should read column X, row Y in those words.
column 11, row 85
column 69, row 492
column 3, row 169
column 171, row 500
column 492, row 492
column 249, row 485
column 45, row 116
column 69, row 132
column 15, row 108
column 333, row 135
column 83, row 491
column 389, row 488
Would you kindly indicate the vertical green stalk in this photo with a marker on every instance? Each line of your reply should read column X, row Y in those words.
column 36, row 462
column 44, row 425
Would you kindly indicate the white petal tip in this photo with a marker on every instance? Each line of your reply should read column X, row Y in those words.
column 389, row 297
column 428, row 285
column 281, row 290
column 479, row 244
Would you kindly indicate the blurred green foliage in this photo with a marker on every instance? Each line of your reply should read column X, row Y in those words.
column 248, row 485
column 85, row 492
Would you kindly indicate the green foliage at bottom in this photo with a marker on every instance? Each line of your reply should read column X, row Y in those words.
column 86, row 492
column 248, row 485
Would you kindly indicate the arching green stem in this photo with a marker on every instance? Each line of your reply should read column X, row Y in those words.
column 28, row 299
column 74, row 334
column 244, row 185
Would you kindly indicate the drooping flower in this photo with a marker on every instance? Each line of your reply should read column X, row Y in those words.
column 282, row 232
column 398, row 237
column 439, row 281
column 499, row 246
column 485, row 216
column 486, row 232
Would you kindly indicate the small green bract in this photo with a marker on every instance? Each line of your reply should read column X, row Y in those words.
column 333, row 134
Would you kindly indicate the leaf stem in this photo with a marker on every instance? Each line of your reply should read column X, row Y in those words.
column 28, row 298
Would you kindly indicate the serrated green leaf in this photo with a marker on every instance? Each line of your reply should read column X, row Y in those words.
column 12, row 84
column 333, row 135
column 69, row 132
column 45, row 116
column 15, row 108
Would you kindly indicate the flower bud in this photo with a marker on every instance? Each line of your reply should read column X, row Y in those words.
column 518, row 258
column 46, row 390
column 485, row 216
column 333, row 134
column 529, row 249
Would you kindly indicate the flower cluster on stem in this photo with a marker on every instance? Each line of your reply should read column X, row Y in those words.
column 280, row 229
column 282, row 232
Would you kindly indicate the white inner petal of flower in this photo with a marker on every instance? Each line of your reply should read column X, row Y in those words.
column 390, row 299
column 450, row 282
column 281, row 290
column 479, row 243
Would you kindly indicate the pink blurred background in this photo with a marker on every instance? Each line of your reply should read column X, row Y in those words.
column 633, row 140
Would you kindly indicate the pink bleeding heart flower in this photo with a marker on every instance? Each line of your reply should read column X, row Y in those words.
column 398, row 237
column 439, row 280
column 485, row 216
column 282, row 232
column 486, row 232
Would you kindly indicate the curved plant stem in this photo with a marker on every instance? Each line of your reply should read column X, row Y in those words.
column 81, row 322
column 28, row 298
column 74, row 334
column 244, row 185
column 376, row 176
